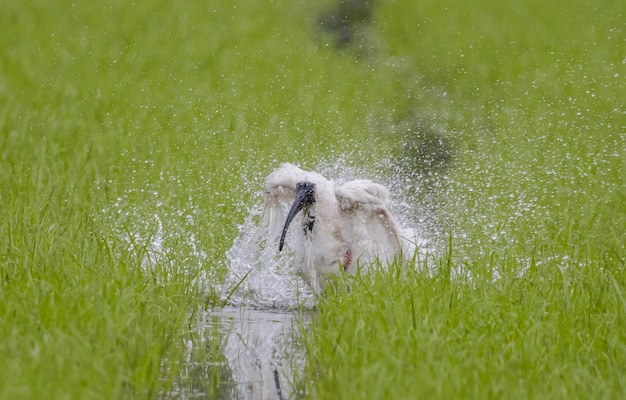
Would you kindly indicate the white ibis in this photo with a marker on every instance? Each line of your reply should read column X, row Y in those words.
column 339, row 227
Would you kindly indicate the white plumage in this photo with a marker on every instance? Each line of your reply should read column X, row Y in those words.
column 334, row 227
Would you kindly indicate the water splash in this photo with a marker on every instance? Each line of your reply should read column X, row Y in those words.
column 261, row 275
column 163, row 219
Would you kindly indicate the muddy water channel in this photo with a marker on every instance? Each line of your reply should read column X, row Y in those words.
column 242, row 353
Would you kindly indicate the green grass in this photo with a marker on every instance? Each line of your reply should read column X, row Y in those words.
column 134, row 137
column 554, row 333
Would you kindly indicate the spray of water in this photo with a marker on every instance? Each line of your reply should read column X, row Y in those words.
column 252, row 272
column 261, row 276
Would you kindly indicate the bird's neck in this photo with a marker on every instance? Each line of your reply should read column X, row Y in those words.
column 308, row 221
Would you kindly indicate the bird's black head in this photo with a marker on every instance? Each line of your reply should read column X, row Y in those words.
column 305, row 193
column 305, row 196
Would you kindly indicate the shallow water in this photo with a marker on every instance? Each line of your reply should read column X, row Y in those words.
column 242, row 353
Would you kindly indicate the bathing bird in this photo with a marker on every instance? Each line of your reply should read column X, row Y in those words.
column 333, row 227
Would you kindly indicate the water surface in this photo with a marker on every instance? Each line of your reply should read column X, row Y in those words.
column 243, row 353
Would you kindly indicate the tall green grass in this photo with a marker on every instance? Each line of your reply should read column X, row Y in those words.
column 134, row 137
column 556, row 332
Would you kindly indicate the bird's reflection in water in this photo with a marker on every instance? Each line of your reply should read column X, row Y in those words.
column 243, row 353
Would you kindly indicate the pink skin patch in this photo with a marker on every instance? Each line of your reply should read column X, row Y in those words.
column 347, row 259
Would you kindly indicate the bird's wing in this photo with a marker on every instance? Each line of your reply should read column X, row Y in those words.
column 367, row 223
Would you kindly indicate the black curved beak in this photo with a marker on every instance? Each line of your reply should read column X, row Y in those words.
column 305, row 196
